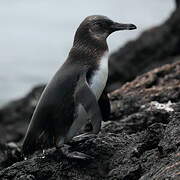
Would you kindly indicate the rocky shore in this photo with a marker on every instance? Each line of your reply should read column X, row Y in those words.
column 141, row 140
column 155, row 47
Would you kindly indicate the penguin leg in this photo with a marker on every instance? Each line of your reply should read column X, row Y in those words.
column 66, row 150
column 65, row 144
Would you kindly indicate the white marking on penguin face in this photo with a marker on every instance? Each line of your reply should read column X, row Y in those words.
column 99, row 78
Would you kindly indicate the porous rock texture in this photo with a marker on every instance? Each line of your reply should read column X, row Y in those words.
column 141, row 140
column 155, row 47
column 142, row 137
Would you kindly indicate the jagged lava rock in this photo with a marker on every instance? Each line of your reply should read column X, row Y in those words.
column 140, row 141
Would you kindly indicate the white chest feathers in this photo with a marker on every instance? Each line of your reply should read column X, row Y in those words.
column 99, row 78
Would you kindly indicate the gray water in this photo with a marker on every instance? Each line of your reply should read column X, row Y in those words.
column 36, row 35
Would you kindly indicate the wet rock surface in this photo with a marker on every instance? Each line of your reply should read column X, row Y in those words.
column 141, row 140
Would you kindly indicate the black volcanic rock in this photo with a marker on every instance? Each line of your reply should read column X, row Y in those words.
column 155, row 47
column 140, row 141
column 177, row 3
column 15, row 116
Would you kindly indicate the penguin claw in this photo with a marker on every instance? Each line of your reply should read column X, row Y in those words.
column 65, row 150
column 84, row 137
column 79, row 155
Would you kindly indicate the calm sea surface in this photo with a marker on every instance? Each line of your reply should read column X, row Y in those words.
column 36, row 35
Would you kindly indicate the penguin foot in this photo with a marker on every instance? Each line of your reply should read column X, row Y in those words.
column 84, row 137
column 68, row 153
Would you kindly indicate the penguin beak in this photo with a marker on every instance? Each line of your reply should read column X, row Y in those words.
column 119, row 26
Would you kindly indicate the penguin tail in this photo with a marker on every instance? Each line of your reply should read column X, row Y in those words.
column 34, row 141
column 29, row 145
column 31, row 141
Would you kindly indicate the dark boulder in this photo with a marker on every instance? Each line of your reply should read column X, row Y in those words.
column 155, row 47
column 15, row 116
column 177, row 3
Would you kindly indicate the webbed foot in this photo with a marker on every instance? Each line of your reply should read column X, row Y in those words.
column 84, row 137
column 70, row 154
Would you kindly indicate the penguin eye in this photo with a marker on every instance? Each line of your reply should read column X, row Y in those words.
column 101, row 25
column 104, row 25
column 98, row 27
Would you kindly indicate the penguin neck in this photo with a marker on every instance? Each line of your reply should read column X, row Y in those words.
column 89, row 48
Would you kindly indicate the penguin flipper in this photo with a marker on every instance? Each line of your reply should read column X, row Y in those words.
column 85, row 96
column 104, row 105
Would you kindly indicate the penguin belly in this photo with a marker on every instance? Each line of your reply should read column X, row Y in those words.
column 99, row 78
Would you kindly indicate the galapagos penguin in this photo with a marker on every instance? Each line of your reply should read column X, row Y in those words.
column 77, row 89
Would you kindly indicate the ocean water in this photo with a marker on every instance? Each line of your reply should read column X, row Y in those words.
column 36, row 35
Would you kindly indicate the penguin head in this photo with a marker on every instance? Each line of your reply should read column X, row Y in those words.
column 100, row 27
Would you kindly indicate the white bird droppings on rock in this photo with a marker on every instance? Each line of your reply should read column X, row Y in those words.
column 162, row 106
